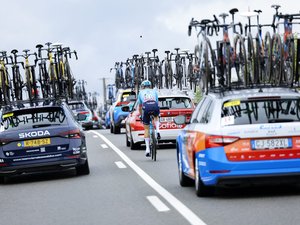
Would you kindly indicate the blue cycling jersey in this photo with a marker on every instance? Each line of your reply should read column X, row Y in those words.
column 147, row 95
column 148, row 99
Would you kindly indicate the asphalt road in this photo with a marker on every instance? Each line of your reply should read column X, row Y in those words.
column 125, row 187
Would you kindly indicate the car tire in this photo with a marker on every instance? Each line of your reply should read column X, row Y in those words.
column 201, row 189
column 127, row 141
column 83, row 169
column 184, row 180
column 134, row 146
column 111, row 128
column 117, row 129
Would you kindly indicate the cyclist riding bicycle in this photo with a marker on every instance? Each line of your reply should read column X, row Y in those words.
column 148, row 105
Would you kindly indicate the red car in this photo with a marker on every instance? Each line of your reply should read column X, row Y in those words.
column 171, row 105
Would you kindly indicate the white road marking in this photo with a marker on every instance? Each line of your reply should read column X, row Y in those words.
column 188, row 214
column 121, row 165
column 158, row 204
column 104, row 146
column 95, row 136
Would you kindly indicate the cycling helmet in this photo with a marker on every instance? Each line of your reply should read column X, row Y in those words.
column 145, row 83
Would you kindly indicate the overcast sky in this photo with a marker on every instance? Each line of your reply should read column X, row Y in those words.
column 106, row 31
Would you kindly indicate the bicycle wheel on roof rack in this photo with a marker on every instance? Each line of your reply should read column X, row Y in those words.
column 251, row 65
column 240, row 60
column 276, row 57
column 266, row 64
column 209, row 66
column 227, row 64
column 288, row 72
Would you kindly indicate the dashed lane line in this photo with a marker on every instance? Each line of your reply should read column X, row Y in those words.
column 104, row 146
column 188, row 214
column 158, row 204
column 121, row 165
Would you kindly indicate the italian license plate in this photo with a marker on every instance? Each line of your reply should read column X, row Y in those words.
column 37, row 142
column 271, row 143
column 166, row 119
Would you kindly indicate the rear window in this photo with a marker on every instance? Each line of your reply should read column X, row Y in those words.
column 33, row 118
column 175, row 103
column 260, row 111
column 127, row 97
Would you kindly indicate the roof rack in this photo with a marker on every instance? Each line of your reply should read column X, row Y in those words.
column 19, row 104
column 237, row 86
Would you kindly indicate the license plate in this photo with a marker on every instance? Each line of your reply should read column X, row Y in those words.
column 166, row 119
column 271, row 143
column 37, row 142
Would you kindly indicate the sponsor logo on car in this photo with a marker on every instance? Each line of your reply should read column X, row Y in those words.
column 38, row 133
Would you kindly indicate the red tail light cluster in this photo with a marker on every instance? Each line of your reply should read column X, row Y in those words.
column 71, row 134
column 84, row 112
column 122, row 103
column 219, row 140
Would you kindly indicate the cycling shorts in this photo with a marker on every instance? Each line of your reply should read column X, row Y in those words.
column 149, row 108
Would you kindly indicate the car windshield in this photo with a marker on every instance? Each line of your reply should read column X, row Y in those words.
column 33, row 118
column 238, row 112
column 175, row 103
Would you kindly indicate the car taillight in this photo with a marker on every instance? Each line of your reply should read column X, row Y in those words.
column 218, row 140
column 5, row 141
column 122, row 103
column 71, row 134
column 95, row 118
column 84, row 112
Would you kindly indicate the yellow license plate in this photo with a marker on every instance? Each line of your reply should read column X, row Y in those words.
column 37, row 142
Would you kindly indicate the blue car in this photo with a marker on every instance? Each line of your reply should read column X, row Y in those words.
column 41, row 139
column 117, row 116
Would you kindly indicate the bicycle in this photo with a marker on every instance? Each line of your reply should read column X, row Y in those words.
column 5, row 85
column 282, row 56
column 18, row 83
column 204, row 53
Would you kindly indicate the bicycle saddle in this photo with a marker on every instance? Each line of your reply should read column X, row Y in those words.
column 233, row 11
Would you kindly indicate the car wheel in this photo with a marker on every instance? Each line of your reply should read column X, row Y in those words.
column 134, row 146
column 117, row 129
column 127, row 141
column 183, row 179
column 111, row 128
column 83, row 169
column 201, row 189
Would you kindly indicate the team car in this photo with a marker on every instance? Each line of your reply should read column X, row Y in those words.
column 41, row 138
column 171, row 105
column 79, row 107
column 240, row 137
column 116, row 115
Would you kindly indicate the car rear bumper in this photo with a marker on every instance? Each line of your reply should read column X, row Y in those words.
column 166, row 136
column 216, row 170
column 42, row 167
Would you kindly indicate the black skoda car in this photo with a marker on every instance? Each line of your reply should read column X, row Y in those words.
column 35, row 139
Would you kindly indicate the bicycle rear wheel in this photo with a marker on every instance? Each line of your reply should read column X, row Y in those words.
column 289, row 63
column 276, row 56
column 240, row 60
column 153, row 148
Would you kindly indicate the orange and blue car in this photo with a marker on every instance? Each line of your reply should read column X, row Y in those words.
column 241, row 137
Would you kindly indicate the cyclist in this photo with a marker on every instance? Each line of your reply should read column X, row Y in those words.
column 148, row 105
